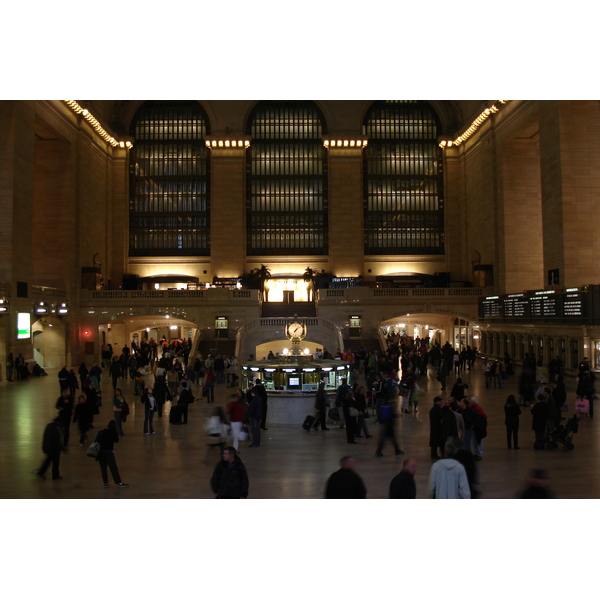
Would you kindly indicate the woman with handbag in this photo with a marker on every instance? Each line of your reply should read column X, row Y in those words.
column 363, row 413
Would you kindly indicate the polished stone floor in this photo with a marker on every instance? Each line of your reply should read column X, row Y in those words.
column 290, row 464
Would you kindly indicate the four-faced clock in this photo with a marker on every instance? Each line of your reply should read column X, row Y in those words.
column 295, row 331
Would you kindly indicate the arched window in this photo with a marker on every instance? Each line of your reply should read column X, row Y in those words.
column 286, row 194
column 404, row 207
column 169, row 181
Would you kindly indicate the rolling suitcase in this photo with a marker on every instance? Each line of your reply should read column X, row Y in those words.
column 176, row 414
column 308, row 422
column 582, row 406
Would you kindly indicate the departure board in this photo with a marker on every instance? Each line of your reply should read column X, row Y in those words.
column 574, row 304
column 569, row 305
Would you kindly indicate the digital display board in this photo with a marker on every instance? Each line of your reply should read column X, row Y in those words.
column 569, row 304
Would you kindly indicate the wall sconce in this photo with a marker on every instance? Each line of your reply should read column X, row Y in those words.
column 41, row 308
column 3, row 306
column 62, row 309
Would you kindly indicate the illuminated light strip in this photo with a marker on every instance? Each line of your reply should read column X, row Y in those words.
column 227, row 144
column 89, row 117
column 345, row 143
column 473, row 127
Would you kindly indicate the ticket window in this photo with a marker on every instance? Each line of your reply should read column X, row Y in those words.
column 221, row 327
column 355, row 327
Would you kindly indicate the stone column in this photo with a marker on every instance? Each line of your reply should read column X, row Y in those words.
column 228, row 211
column 346, row 220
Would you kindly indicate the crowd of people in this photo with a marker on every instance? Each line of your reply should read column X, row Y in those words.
column 162, row 372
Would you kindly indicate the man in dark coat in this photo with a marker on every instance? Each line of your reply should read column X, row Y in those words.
column 230, row 478
column 254, row 415
column 403, row 485
column 346, row 482
column 52, row 446
column 436, row 433
column 185, row 399
column 539, row 411
column 63, row 379
column 260, row 389
column 64, row 406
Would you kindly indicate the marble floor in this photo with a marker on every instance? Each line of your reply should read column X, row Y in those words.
column 290, row 464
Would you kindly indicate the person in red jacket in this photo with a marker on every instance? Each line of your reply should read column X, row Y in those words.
column 236, row 412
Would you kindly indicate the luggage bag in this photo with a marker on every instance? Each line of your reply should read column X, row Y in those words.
column 308, row 422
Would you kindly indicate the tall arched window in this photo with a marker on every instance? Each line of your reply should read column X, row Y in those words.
column 169, row 181
column 404, row 206
column 286, row 180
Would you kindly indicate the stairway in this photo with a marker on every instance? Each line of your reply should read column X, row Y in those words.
column 226, row 347
column 288, row 309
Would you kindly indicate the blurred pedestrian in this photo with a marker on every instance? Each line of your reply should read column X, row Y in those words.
column 403, row 485
column 52, row 446
column 345, row 483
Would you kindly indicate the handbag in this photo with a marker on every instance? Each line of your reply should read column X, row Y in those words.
column 93, row 450
column 353, row 412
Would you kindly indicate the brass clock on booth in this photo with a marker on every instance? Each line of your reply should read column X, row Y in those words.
column 295, row 331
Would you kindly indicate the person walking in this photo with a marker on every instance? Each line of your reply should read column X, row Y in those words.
column 64, row 405
column 361, row 405
column 350, row 415
column 185, row 399
column 209, row 385
column 115, row 371
column 436, row 431
column 82, row 417
column 511, row 421
column 52, row 446
column 321, row 402
column 403, row 485
column 254, row 415
column 345, row 483
column 217, row 430
column 260, row 389
column 236, row 412
column 118, row 404
column 10, row 367
column 538, row 423
column 387, row 428
column 107, row 438
column 448, row 478
column 230, row 478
